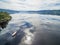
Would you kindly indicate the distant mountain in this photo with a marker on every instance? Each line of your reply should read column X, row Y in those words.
column 51, row 12
column 9, row 11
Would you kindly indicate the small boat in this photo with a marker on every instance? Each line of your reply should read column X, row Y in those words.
column 14, row 34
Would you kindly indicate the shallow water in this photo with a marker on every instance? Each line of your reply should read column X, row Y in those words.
column 32, row 29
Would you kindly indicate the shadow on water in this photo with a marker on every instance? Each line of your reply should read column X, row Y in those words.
column 17, row 39
column 4, row 24
column 8, row 39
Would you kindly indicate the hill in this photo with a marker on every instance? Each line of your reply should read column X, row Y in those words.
column 9, row 11
column 51, row 12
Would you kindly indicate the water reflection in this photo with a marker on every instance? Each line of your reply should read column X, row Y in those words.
column 33, row 29
column 4, row 24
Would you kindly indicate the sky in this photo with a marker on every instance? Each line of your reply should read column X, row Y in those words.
column 24, row 5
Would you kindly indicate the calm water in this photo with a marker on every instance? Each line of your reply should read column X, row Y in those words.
column 32, row 29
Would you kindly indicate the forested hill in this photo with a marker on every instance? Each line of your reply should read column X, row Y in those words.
column 52, row 12
column 9, row 11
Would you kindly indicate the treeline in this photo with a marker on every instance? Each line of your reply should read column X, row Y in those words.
column 52, row 12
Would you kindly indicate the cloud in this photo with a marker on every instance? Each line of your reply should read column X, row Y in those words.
column 29, row 4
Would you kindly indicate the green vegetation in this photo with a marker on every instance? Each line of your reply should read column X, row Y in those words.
column 4, row 16
column 4, row 19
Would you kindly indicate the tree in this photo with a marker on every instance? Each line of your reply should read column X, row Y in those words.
column 4, row 16
column 4, row 19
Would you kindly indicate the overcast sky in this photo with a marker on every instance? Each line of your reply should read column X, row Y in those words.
column 29, row 4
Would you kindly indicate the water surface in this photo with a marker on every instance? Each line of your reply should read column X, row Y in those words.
column 32, row 29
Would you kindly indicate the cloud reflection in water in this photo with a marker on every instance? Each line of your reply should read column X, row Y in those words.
column 35, row 27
